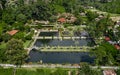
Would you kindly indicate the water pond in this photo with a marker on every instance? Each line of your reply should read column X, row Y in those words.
column 60, row 57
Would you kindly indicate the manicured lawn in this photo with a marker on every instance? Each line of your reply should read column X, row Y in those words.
column 36, row 71
column 2, row 45
column 27, row 43
column 6, row 71
column 105, row 13
column 33, row 72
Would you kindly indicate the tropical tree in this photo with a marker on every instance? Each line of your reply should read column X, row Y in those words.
column 110, row 33
column 105, row 54
column 2, row 55
column 87, row 70
column 8, row 17
column 58, row 9
column 118, row 71
column 6, row 37
column 15, row 52
column 118, row 57
column 42, row 11
column 79, row 21
column 104, row 24
column 19, row 26
column 4, row 27
column 117, row 34
column 19, row 35
column 1, row 30
column 103, row 1
column 91, row 15
column 21, row 18
column 1, row 14
column 2, row 2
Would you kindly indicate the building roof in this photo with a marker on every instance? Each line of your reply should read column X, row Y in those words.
column 112, row 42
column 42, row 22
column 117, row 46
column 118, row 23
column 107, row 38
column 109, row 72
column 62, row 20
column 12, row 32
column 84, row 33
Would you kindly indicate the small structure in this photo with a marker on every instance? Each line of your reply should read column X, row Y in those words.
column 12, row 32
column 112, row 42
column 84, row 33
column 118, row 23
column 101, row 16
column 109, row 72
column 117, row 46
column 107, row 38
column 61, row 20
column 83, row 14
column 66, row 18
column 41, row 22
column 71, row 19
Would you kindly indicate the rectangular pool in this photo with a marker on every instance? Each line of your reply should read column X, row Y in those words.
column 48, row 34
column 65, row 42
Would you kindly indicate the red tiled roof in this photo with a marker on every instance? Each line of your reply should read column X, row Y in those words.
column 117, row 46
column 12, row 32
column 107, row 38
column 61, row 20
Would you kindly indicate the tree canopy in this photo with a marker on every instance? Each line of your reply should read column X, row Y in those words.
column 15, row 52
column 105, row 54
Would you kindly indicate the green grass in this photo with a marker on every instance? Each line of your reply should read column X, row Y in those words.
column 27, row 43
column 6, row 71
column 114, row 15
column 106, row 13
column 36, row 71
column 2, row 45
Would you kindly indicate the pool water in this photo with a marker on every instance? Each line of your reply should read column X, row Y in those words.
column 65, row 42
column 60, row 57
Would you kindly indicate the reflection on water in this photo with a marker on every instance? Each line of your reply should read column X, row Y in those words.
column 56, row 42
column 60, row 57
column 48, row 34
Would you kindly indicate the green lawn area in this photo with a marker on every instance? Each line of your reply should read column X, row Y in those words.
column 114, row 15
column 106, row 13
column 2, row 45
column 36, row 71
column 6, row 71
column 27, row 43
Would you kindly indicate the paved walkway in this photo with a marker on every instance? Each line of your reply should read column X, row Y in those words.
column 56, row 66
column 55, row 37
column 64, row 49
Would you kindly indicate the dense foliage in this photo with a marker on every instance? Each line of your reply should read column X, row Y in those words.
column 105, row 54
column 15, row 52
column 43, row 71
column 112, row 6
column 40, row 10
column 85, row 70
